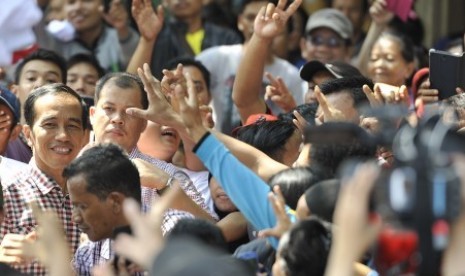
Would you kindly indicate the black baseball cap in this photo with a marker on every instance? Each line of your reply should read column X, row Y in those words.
column 338, row 69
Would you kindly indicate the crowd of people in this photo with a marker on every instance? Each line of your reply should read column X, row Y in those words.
column 240, row 137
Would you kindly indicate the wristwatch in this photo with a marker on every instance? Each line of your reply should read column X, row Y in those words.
column 178, row 175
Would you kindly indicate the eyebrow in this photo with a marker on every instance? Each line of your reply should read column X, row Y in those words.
column 53, row 117
column 47, row 72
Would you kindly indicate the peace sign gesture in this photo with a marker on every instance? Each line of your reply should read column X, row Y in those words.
column 271, row 20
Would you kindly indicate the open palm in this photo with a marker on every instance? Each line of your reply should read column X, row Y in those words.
column 148, row 21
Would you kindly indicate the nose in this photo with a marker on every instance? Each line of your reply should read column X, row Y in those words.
column 80, row 87
column 118, row 118
column 62, row 134
column 38, row 83
column 76, row 216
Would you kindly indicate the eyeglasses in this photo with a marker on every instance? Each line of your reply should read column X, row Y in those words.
column 331, row 42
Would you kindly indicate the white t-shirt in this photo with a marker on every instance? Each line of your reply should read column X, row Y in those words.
column 200, row 181
column 222, row 62
column 9, row 168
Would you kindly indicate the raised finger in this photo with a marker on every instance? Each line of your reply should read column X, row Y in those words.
column 269, row 10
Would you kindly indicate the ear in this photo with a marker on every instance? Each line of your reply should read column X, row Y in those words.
column 91, row 114
column 27, row 131
column 303, row 48
column 116, row 199
column 15, row 89
column 15, row 132
column 409, row 69
column 240, row 25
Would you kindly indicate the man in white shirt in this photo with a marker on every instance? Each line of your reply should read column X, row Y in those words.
column 9, row 131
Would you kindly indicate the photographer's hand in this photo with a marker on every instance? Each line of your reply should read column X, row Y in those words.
column 452, row 263
column 356, row 230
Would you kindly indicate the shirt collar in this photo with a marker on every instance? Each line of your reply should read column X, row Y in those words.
column 44, row 183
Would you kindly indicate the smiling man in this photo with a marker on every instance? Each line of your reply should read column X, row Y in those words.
column 54, row 129
column 98, row 182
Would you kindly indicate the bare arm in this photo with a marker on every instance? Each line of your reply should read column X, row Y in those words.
column 233, row 226
column 380, row 18
column 149, row 23
column 269, row 23
column 263, row 165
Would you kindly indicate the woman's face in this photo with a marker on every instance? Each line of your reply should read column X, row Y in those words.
column 386, row 64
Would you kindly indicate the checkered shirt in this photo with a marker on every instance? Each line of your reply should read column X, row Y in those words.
column 148, row 194
column 33, row 185
column 90, row 254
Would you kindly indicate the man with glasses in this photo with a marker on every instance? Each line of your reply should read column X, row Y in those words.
column 328, row 37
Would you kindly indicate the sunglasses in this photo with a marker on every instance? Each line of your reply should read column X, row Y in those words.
column 331, row 42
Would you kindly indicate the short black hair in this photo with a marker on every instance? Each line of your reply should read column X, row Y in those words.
column 321, row 198
column 365, row 5
column 188, row 61
column 327, row 156
column 54, row 88
column 293, row 182
column 85, row 58
column 307, row 249
column 352, row 85
column 122, row 80
column 269, row 137
column 106, row 169
column 44, row 55
column 201, row 230
column 307, row 110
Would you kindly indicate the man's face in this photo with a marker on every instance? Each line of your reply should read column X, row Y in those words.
column 220, row 198
column 7, row 133
column 110, row 122
column 325, row 45
column 201, row 87
column 84, row 15
column 317, row 79
column 343, row 102
column 352, row 9
column 36, row 73
column 82, row 78
column 184, row 9
column 57, row 134
column 158, row 141
column 97, row 218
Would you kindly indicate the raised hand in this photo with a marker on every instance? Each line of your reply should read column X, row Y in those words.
column 50, row 246
column 159, row 110
column 283, row 223
column 357, row 229
column 147, row 240
column 5, row 121
column 379, row 13
column 148, row 21
column 271, row 20
column 375, row 98
column 278, row 92
column 389, row 94
column 330, row 113
column 426, row 93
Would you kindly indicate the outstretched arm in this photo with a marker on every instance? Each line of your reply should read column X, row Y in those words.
column 161, row 112
column 270, row 22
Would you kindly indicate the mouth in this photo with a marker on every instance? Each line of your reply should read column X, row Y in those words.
column 62, row 150
column 116, row 131
column 78, row 18
column 169, row 132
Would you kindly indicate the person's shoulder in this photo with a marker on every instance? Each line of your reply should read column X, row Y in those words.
column 221, row 50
